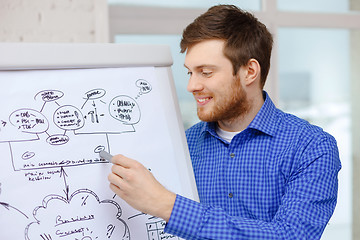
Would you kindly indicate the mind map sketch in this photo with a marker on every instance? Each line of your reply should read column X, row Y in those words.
column 52, row 133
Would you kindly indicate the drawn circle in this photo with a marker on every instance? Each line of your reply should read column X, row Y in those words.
column 29, row 121
column 50, row 95
column 99, row 148
column 125, row 109
column 27, row 155
column 95, row 94
column 57, row 139
column 68, row 118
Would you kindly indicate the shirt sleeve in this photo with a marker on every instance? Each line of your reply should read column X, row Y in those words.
column 306, row 207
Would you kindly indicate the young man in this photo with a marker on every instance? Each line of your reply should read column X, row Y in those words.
column 260, row 173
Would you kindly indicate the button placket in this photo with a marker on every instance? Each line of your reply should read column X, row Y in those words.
column 232, row 156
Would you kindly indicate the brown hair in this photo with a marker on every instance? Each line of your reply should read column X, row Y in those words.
column 245, row 37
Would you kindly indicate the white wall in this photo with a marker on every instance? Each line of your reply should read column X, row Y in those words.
column 53, row 21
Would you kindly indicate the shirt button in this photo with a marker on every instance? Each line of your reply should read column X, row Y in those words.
column 232, row 155
column 230, row 195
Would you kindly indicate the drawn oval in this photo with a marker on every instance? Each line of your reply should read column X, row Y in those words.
column 57, row 139
column 125, row 109
column 27, row 155
column 29, row 121
column 50, row 95
column 99, row 148
column 68, row 117
column 144, row 85
column 95, row 94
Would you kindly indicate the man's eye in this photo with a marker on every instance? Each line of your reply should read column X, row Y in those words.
column 189, row 73
column 206, row 74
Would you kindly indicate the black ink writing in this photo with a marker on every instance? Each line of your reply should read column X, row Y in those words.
column 60, row 220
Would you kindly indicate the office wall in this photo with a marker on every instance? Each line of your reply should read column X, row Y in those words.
column 53, row 21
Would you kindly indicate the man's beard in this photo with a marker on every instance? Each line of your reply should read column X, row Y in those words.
column 229, row 107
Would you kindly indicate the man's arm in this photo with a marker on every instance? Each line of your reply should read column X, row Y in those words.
column 294, row 220
column 307, row 204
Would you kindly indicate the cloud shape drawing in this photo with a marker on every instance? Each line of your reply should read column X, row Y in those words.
column 81, row 217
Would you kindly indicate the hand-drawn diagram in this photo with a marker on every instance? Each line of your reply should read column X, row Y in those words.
column 89, row 119
column 53, row 135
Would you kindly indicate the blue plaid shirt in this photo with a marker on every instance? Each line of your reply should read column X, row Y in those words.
column 277, row 179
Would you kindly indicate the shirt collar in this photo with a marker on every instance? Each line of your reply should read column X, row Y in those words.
column 264, row 121
column 210, row 127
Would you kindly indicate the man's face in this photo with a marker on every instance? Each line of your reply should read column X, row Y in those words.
column 218, row 93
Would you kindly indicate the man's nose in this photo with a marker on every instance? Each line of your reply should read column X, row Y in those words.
column 194, row 84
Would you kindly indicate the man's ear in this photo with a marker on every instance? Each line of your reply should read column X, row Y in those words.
column 252, row 71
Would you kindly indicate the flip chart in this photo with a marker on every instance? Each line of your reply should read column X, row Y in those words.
column 57, row 115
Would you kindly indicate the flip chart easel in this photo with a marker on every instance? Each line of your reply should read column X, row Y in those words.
column 61, row 104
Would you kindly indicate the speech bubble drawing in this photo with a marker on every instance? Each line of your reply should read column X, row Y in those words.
column 125, row 109
column 95, row 94
column 29, row 121
column 49, row 95
column 144, row 86
column 83, row 216
column 68, row 118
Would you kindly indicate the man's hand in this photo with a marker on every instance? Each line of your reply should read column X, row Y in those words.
column 135, row 184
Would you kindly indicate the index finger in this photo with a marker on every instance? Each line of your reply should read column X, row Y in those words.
column 123, row 161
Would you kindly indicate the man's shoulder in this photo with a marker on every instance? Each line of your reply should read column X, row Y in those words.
column 302, row 127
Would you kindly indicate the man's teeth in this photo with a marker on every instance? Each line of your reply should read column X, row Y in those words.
column 201, row 100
